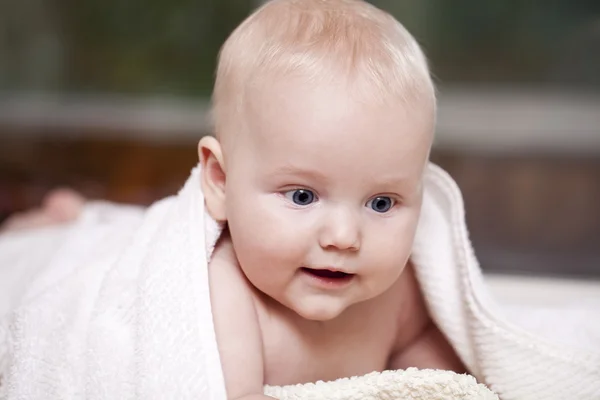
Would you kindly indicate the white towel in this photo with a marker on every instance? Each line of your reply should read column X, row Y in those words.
column 119, row 307
column 411, row 384
column 516, row 363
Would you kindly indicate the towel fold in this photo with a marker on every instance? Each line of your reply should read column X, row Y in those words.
column 117, row 305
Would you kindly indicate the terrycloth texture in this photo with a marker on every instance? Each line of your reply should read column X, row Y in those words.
column 120, row 308
column 412, row 384
column 515, row 363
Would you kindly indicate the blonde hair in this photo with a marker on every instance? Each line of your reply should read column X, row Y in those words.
column 320, row 40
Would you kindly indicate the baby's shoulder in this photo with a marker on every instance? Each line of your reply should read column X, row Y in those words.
column 226, row 278
column 223, row 262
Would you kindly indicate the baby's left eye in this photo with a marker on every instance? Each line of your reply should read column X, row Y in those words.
column 381, row 204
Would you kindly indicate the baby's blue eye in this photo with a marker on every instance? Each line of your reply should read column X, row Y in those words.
column 381, row 204
column 301, row 197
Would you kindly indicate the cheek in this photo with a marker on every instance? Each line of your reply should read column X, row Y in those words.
column 390, row 245
column 265, row 232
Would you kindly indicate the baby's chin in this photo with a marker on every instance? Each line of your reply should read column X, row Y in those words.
column 319, row 310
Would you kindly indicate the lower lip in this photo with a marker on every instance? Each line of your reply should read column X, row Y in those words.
column 327, row 282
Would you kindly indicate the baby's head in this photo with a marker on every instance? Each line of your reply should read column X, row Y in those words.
column 324, row 112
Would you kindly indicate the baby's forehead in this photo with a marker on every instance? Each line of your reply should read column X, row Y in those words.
column 331, row 109
column 296, row 94
column 313, row 127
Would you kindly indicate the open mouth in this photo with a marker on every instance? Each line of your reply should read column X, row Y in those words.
column 328, row 274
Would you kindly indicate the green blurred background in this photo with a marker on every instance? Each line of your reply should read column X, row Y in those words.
column 170, row 47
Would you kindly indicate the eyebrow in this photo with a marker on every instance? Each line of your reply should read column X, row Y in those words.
column 311, row 174
column 292, row 170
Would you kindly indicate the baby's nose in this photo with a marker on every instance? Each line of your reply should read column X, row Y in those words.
column 341, row 230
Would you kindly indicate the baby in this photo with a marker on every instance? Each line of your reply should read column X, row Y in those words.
column 324, row 116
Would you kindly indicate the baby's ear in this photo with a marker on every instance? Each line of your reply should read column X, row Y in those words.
column 213, row 177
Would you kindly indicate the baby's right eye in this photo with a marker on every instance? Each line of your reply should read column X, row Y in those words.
column 301, row 197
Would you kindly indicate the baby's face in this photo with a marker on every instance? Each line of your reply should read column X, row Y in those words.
column 323, row 195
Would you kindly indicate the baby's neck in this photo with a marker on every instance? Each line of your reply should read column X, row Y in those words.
column 271, row 311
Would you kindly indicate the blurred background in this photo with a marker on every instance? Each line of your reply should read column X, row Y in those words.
column 110, row 97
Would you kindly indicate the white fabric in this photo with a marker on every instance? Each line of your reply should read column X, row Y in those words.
column 516, row 363
column 117, row 306
column 411, row 384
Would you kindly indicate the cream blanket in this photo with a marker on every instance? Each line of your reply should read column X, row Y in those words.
column 117, row 306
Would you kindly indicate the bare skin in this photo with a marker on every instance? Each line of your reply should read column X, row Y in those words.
column 297, row 194
column 391, row 331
